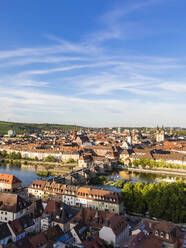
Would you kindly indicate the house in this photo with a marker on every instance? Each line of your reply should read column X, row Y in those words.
column 12, row 207
column 46, row 221
column 155, row 234
column 53, row 190
column 9, row 183
column 16, row 229
column 37, row 188
column 28, row 224
column 99, row 199
column 115, row 230
column 54, row 233
column 36, row 210
column 69, row 195
column 57, row 213
column 79, row 232
column 21, row 243
column 94, row 218
column 92, row 242
column 66, row 240
column 125, row 155
column 39, row 241
column 168, row 233
column 85, row 161
column 81, row 139
column 5, row 234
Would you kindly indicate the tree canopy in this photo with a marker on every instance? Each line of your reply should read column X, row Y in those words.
column 161, row 200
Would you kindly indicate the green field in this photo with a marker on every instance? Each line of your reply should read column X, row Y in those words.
column 28, row 128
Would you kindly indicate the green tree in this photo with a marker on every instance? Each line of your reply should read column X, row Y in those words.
column 50, row 158
column 162, row 200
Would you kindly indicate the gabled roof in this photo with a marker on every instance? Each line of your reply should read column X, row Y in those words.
column 16, row 227
column 21, row 243
column 117, row 223
column 9, row 179
column 93, row 242
column 165, row 226
column 38, row 240
column 39, row 184
column 81, row 230
column 12, row 202
column 26, row 221
column 54, row 232
column 97, row 219
column 59, row 211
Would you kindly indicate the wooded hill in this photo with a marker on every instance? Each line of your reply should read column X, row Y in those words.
column 28, row 128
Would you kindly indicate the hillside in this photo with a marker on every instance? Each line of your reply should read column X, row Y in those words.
column 28, row 128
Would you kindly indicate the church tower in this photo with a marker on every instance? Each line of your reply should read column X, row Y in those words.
column 74, row 133
column 160, row 134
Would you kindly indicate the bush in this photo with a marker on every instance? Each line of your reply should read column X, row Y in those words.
column 97, row 180
column 42, row 173
column 14, row 155
column 71, row 160
column 50, row 158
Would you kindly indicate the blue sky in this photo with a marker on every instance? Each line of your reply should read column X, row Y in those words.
column 93, row 63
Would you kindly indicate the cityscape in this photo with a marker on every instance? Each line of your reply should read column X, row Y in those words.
column 92, row 124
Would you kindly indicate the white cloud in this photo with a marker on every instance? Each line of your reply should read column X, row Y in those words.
column 40, row 60
column 99, row 112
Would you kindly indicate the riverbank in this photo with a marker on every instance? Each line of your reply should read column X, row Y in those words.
column 40, row 167
column 165, row 171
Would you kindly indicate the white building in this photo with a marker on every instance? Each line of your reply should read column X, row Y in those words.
column 11, row 132
column 116, row 230
column 37, row 188
column 12, row 207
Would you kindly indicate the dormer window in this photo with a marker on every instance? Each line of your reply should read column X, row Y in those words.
column 156, row 233
column 162, row 235
column 167, row 236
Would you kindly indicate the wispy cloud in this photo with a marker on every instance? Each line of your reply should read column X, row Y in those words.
column 40, row 60
column 115, row 24
column 91, row 83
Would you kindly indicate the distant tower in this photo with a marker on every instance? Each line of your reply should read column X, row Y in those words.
column 129, row 139
column 171, row 132
column 160, row 134
column 74, row 133
column 54, row 141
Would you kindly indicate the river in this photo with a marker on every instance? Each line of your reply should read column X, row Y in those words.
column 28, row 175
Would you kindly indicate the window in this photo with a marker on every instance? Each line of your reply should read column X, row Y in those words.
column 167, row 236
column 162, row 235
